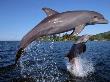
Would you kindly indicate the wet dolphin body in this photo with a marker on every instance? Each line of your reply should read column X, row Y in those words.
column 77, row 48
column 56, row 22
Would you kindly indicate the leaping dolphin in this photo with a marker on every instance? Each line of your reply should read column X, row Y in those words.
column 56, row 22
column 78, row 47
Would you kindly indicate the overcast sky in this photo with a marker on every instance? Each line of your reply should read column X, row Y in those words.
column 17, row 17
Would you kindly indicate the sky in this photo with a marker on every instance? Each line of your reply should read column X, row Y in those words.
column 17, row 17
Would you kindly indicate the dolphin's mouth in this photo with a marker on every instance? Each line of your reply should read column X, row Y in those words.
column 102, row 21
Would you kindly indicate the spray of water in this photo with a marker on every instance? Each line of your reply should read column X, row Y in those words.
column 39, row 63
column 81, row 67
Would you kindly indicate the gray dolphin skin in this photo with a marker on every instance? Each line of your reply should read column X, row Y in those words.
column 78, row 47
column 56, row 22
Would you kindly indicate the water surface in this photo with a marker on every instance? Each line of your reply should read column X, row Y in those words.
column 45, row 62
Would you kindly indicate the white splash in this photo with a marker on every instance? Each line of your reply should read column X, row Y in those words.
column 81, row 67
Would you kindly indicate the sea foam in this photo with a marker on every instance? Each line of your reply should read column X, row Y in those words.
column 80, row 68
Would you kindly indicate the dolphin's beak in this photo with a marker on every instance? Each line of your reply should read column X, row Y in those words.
column 83, row 39
column 102, row 21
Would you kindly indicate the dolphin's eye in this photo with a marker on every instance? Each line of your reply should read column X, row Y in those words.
column 95, row 16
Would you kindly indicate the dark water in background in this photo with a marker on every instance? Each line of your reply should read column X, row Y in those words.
column 44, row 62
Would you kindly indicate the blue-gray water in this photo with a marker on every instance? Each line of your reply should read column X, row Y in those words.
column 44, row 62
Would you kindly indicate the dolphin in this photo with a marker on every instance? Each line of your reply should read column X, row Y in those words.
column 78, row 48
column 56, row 22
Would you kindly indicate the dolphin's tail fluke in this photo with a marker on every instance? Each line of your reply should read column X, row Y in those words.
column 18, row 54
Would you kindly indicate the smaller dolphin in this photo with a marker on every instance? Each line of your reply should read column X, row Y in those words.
column 56, row 22
column 78, row 47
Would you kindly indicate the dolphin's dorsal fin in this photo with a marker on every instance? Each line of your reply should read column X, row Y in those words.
column 49, row 11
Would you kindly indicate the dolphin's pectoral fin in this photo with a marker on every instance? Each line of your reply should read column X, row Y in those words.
column 49, row 11
column 18, row 54
column 78, row 29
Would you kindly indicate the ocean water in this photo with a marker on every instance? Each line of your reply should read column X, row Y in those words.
column 45, row 62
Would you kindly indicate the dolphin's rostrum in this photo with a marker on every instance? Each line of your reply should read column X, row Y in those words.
column 56, row 22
